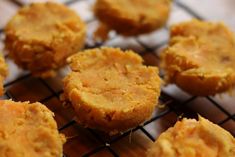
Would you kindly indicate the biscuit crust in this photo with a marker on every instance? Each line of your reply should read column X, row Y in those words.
column 202, row 53
column 111, row 90
column 132, row 17
column 191, row 138
column 28, row 130
column 42, row 35
column 3, row 73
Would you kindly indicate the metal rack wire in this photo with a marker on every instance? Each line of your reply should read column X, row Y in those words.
column 173, row 105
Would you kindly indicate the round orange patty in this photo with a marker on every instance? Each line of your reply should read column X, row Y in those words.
column 3, row 73
column 191, row 138
column 42, row 35
column 200, row 58
column 28, row 130
column 132, row 17
column 111, row 90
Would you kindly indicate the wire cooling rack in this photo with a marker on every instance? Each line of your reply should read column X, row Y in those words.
column 20, row 86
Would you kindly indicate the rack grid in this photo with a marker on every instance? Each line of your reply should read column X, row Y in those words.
column 19, row 88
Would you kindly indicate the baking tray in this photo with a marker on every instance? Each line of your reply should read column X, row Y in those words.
column 174, row 103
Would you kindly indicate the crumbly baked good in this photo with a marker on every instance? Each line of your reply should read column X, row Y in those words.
column 200, row 58
column 111, row 90
column 132, row 17
column 28, row 130
column 42, row 35
column 191, row 138
column 3, row 73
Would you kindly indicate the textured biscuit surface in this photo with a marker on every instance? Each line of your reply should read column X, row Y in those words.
column 28, row 130
column 3, row 73
column 111, row 90
column 191, row 138
column 42, row 35
column 202, row 53
column 132, row 17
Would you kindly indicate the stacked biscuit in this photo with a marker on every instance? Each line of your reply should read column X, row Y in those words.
column 111, row 89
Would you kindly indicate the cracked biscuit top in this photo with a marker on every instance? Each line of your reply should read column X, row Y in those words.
column 202, row 53
column 110, row 89
column 42, row 35
column 28, row 130
column 191, row 138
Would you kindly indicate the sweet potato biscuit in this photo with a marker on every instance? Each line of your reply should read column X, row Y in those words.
column 111, row 90
column 200, row 58
column 191, row 138
column 42, row 35
column 3, row 73
column 28, row 130
column 132, row 17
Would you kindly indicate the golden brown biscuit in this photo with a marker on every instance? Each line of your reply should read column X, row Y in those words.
column 200, row 58
column 191, row 138
column 111, row 90
column 28, row 130
column 3, row 73
column 42, row 35
column 132, row 17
